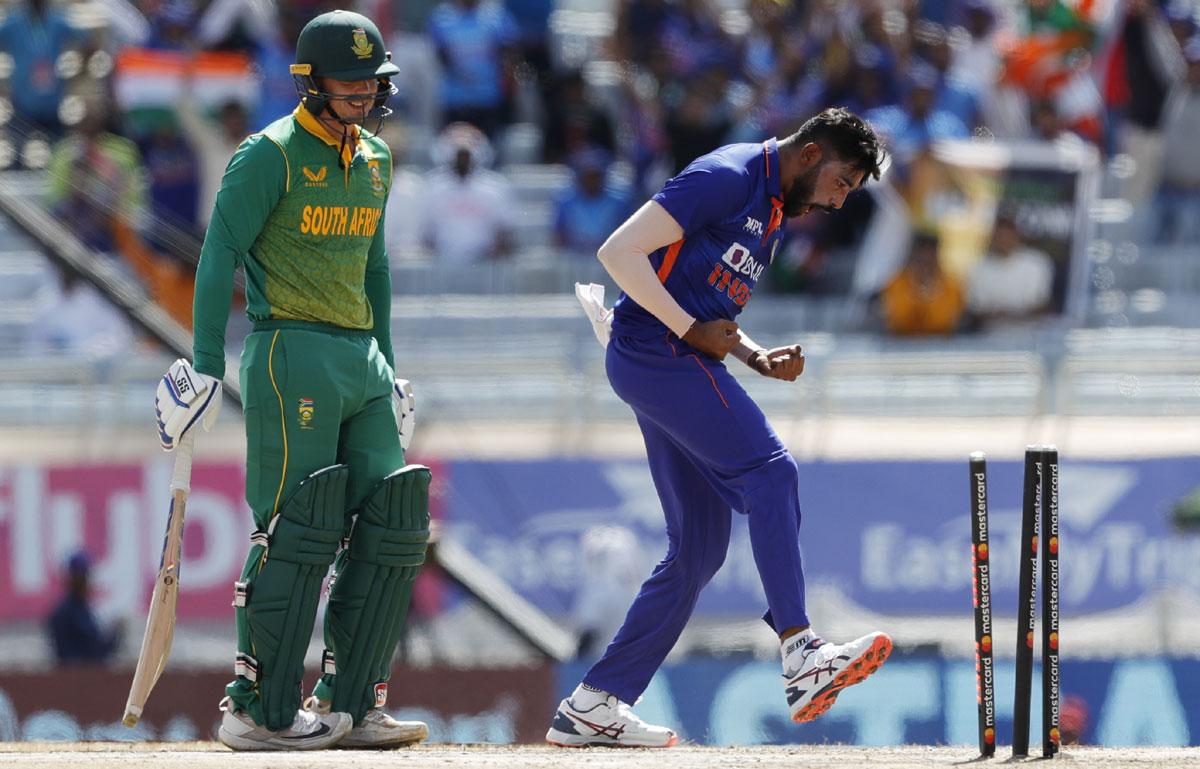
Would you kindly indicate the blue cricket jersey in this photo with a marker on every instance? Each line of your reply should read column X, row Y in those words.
column 730, row 205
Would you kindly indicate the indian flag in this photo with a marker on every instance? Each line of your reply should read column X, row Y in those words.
column 149, row 79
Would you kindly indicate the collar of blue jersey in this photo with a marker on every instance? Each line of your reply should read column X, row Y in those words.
column 772, row 169
column 774, row 174
column 309, row 122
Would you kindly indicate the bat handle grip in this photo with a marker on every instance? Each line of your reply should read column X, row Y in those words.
column 181, row 478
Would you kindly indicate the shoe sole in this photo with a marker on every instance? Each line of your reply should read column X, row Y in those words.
column 241, row 745
column 562, row 742
column 856, row 672
column 348, row 744
column 379, row 745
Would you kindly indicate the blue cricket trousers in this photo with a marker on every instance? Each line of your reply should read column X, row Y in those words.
column 711, row 451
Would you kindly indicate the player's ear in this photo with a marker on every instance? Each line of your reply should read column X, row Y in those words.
column 810, row 154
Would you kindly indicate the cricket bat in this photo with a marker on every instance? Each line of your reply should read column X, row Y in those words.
column 160, row 624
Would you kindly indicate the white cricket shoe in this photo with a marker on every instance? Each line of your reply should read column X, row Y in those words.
column 610, row 723
column 376, row 729
column 815, row 671
column 309, row 731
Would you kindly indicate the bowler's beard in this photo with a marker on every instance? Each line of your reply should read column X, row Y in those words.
column 800, row 195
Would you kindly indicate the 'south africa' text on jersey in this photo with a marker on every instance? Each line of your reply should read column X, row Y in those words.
column 356, row 221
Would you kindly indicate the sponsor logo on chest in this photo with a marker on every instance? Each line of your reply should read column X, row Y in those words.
column 741, row 262
column 736, row 274
column 315, row 178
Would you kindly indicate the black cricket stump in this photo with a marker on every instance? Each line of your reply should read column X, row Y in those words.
column 1027, row 598
column 981, row 596
column 1051, row 681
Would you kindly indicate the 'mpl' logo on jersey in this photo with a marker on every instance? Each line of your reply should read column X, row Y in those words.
column 739, row 259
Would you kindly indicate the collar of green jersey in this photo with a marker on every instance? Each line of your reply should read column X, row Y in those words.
column 310, row 123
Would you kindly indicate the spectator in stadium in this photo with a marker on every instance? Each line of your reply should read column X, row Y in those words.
column 467, row 215
column 922, row 299
column 694, row 39
column 932, row 46
column 877, row 29
column 532, row 18
column 920, row 122
column 873, row 84
column 97, row 185
column 35, row 34
column 96, row 180
column 589, row 211
column 244, row 25
column 476, row 43
column 770, row 34
column 403, row 217
column 573, row 121
column 214, row 141
column 637, row 22
column 703, row 118
column 78, row 321
column 172, row 171
column 171, row 24
column 612, row 570
column 643, row 140
column 1181, row 20
column 975, row 62
column 1044, row 122
column 273, row 54
column 1179, row 197
column 788, row 93
column 1011, row 284
column 74, row 631
column 1144, row 63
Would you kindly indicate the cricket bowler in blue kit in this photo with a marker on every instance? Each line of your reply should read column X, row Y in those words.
column 688, row 262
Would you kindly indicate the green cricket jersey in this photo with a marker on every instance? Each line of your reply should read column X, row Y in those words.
column 308, row 233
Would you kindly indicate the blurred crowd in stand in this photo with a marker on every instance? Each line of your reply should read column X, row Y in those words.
column 134, row 107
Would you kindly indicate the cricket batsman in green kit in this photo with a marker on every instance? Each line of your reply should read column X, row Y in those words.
column 300, row 209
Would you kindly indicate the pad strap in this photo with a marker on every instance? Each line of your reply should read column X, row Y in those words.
column 246, row 666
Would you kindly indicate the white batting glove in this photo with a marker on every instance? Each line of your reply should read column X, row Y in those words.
column 406, row 414
column 184, row 397
column 591, row 298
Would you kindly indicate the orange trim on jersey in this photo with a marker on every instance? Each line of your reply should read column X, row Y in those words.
column 700, row 363
column 668, row 263
column 712, row 379
column 776, row 218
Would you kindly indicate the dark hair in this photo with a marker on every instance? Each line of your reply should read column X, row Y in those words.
column 923, row 239
column 846, row 136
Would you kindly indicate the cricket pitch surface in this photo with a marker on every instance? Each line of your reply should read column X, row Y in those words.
column 202, row 755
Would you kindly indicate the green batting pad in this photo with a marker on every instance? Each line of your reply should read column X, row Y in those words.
column 283, row 586
column 372, row 587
